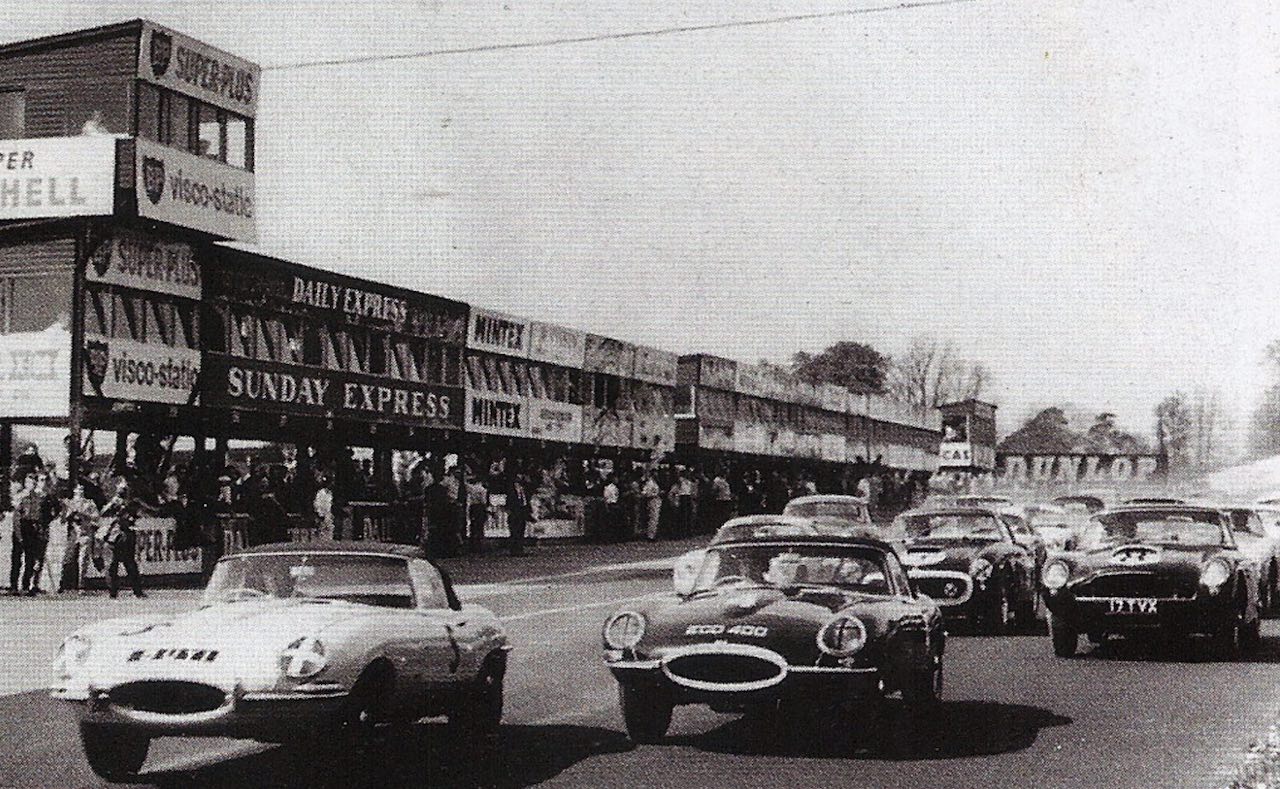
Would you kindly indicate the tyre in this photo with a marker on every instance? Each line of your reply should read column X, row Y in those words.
column 996, row 618
column 647, row 715
column 1251, row 635
column 363, row 724
column 1227, row 642
column 1028, row 611
column 113, row 753
column 479, row 715
column 923, row 687
column 1065, row 637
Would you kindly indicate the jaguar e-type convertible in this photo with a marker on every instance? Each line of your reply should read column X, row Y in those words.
column 778, row 622
column 291, row 641
column 1169, row 569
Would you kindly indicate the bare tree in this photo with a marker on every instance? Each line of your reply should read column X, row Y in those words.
column 932, row 372
column 1192, row 429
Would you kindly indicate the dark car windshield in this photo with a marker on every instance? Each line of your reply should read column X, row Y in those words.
column 1158, row 527
column 844, row 510
column 949, row 526
column 369, row 579
column 848, row 567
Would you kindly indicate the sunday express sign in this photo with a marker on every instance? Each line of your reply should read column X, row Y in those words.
column 191, row 191
column 57, row 176
column 305, row 391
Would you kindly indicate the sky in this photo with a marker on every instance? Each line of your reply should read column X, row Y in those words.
column 1080, row 195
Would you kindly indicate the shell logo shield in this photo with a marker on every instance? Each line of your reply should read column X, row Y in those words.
column 153, row 178
column 161, row 51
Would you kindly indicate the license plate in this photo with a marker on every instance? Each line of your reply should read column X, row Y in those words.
column 1131, row 605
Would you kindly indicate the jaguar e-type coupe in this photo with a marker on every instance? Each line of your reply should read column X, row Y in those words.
column 1168, row 568
column 291, row 641
column 974, row 563
column 778, row 622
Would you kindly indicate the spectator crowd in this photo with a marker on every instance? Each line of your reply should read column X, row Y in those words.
column 62, row 533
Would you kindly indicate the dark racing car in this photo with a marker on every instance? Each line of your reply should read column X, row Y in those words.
column 974, row 564
column 791, row 623
column 1170, row 569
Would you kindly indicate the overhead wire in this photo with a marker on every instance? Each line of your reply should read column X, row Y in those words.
column 652, row 33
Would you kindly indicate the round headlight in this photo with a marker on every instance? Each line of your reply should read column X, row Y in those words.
column 303, row 658
column 72, row 653
column 842, row 636
column 1056, row 575
column 980, row 569
column 624, row 630
column 1214, row 574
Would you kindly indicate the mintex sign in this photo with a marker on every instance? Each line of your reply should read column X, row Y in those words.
column 57, row 176
column 191, row 191
column 35, row 373
column 195, row 69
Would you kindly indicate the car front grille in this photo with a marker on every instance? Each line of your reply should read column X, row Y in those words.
column 169, row 697
column 727, row 670
column 1135, row 585
column 944, row 590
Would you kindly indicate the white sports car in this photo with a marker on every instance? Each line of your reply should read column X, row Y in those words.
column 291, row 641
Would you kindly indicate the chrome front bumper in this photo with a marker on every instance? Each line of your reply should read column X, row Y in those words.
column 787, row 680
column 267, row 715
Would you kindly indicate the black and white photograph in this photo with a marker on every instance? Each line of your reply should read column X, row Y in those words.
column 508, row 393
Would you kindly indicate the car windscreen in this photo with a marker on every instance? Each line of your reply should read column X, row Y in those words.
column 368, row 579
column 949, row 526
column 784, row 566
column 844, row 510
column 1193, row 527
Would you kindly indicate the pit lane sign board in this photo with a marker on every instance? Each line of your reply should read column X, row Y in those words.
column 251, row 384
column 193, row 68
column 122, row 369
column 57, row 176
column 195, row 192
column 35, row 373
column 141, row 261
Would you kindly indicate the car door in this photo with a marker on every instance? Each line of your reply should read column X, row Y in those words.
column 440, row 659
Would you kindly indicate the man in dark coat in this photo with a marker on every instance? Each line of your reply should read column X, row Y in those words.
column 519, row 510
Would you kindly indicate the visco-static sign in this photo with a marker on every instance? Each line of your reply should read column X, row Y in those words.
column 191, row 191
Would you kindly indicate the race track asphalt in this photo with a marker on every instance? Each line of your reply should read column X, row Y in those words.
column 1124, row 715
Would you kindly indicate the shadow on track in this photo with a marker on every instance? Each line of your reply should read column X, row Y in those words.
column 1190, row 650
column 423, row 755
column 953, row 730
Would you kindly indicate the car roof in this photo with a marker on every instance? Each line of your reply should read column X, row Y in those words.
column 1164, row 508
column 828, row 497
column 336, row 546
column 991, row 511
column 860, row 538
column 781, row 527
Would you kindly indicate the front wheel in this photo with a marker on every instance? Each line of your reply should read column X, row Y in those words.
column 479, row 713
column 113, row 753
column 996, row 618
column 923, row 687
column 1065, row 637
column 646, row 715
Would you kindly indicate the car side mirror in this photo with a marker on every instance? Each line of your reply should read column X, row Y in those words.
column 685, row 571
